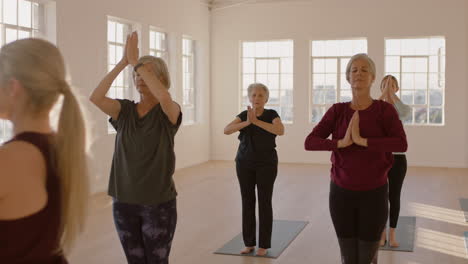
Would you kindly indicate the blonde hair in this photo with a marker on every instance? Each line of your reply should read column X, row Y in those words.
column 387, row 77
column 360, row 56
column 159, row 68
column 258, row 85
column 39, row 67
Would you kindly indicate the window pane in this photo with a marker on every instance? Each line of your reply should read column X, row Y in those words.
column 317, row 113
column 248, row 66
column 248, row 49
column 318, row 66
column 262, row 66
column 392, row 47
column 152, row 40
column 420, row 81
column 35, row 14
column 318, row 81
column 344, row 64
column 419, row 97
column 10, row 11
column 346, row 96
column 261, row 78
column 119, row 36
column 118, row 53
column 435, row 97
column 330, row 96
column 420, row 115
column 434, row 81
column 24, row 19
column 331, row 65
column 407, row 81
column 392, row 64
column 112, row 59
column 261, row 49
column 23, row 34
column 273, row 81
column 275, row 49
column 435, row 115
column 407, row 96
column 318, row 96
column 330, row 81
column 274, row 97
column 286, row 65
column 111, row 31
column 273, row 66
column 287, row 81
column 248, row 79
column 11, row 35
column 318, row 48
column 286, row 114
column 332, row 48
column 286, row 98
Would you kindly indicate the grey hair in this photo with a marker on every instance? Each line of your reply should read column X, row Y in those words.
column 159, row 68
column 360, row 56
column 258, row 85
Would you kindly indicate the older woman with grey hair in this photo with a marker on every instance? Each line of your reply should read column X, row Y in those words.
column 364, row 132
column 141, row 183
column 257, row 165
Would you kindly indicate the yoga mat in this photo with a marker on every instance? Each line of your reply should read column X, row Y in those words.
column 405, row 233
column 464, row 207
column 284, row 232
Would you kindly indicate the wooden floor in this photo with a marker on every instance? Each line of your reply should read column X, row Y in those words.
column 210, row 214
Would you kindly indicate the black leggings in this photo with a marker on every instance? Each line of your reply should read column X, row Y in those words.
column 396, row 176
column 263, row 176
column 359, row 214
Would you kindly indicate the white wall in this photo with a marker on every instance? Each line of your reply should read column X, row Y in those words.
column 82, row 38
column 303, row 21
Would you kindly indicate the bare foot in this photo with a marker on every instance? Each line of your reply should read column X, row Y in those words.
column 392, row 241
column 383, row 238
column 261, row 252
column 247, row 250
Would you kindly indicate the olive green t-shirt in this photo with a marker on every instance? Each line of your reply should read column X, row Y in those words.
column 144, row 158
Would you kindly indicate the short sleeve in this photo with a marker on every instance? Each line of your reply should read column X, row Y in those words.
column 273, row 115
column 125, row 108
column 173, row 127
column 243, row 116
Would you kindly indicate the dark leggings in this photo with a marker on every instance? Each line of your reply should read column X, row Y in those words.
column 396, row 176
column 359, row 218
column 359, row 214
column 146, row 231
column 263, row 176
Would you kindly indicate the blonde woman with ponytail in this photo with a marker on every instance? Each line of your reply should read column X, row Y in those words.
column 43, row 175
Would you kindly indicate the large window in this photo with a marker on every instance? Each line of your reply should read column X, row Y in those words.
column 328, row 63
column 419, row 66
column 270, row 63
column 188, row 74
column 117, row 32
column 158, row 44
column 18, row 19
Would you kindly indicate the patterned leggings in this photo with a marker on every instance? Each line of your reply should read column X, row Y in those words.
column 146, row 231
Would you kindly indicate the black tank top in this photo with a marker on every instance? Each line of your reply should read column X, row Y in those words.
column 35, row 239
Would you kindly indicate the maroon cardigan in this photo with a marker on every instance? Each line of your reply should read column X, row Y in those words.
column 355, row 167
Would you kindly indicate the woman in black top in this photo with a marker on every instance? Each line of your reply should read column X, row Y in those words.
column 141, row 184
column 257, row 164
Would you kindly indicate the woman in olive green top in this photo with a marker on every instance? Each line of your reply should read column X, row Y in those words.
column 141, row 183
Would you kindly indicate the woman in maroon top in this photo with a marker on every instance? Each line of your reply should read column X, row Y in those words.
column 43, row 175
column 364, row 132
